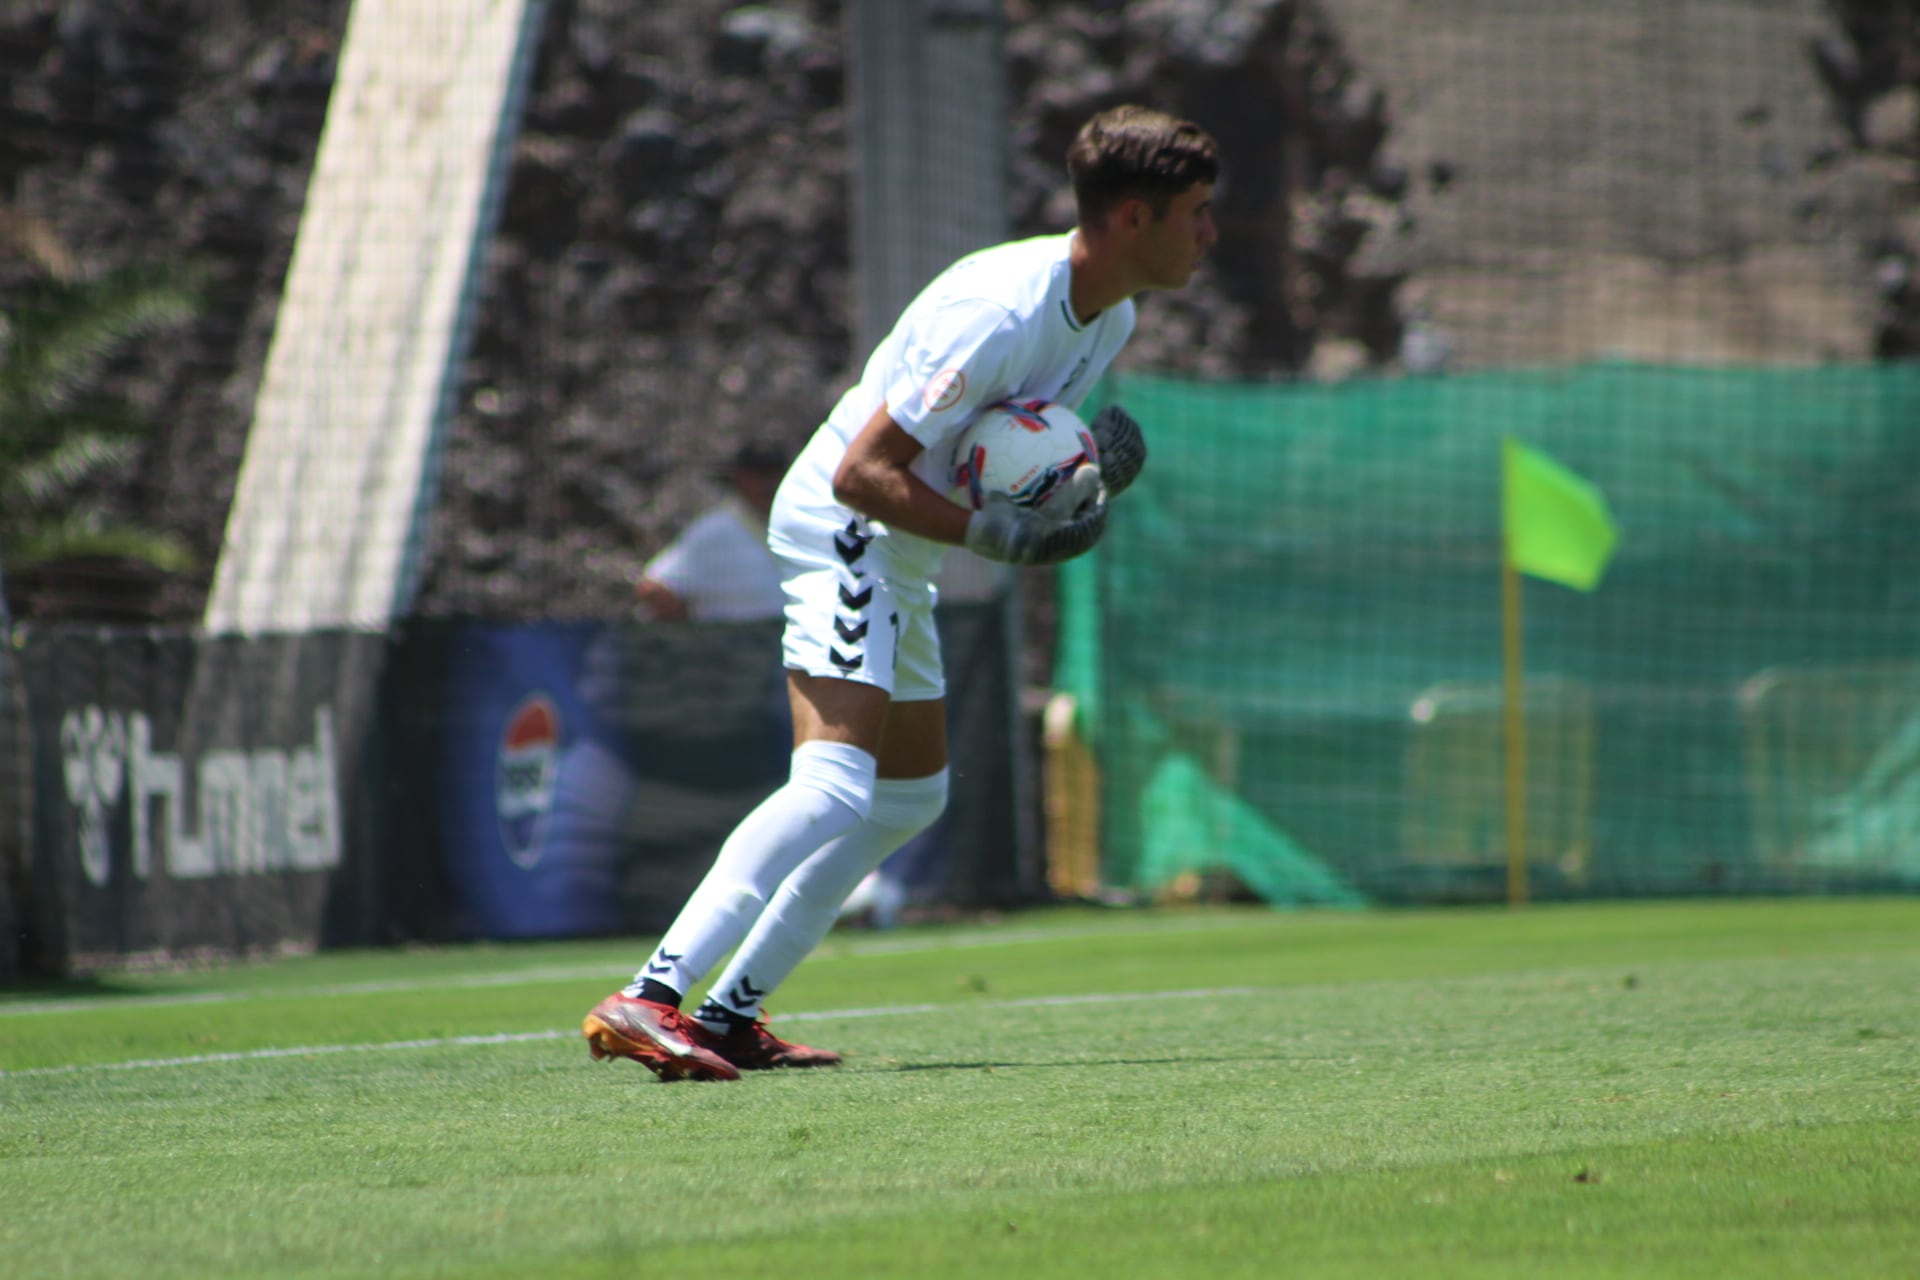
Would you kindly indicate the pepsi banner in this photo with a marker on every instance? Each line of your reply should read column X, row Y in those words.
column 575, row 778
column 578, row 779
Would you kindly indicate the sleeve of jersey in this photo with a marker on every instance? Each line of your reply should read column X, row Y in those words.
column 682, row 563
column 953, row 363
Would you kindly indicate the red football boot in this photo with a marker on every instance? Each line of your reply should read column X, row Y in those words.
column 755, row 1048
column 657, row 1036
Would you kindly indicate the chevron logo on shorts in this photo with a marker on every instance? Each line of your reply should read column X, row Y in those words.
column 844, row 661
column 849, row 632
column 851, row 543
column 854, row 600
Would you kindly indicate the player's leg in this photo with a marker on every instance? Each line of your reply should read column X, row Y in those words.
column 909, row 795
column 837, row 730
column 839, row 722
column 828, row 792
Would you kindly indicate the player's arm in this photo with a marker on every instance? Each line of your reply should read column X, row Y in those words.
column 875, row 479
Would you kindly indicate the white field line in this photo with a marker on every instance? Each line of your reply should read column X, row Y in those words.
column 833, row 949
column 513, row 978
column 523, row 1037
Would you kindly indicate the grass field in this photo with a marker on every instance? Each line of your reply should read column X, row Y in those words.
column 1639, row 1090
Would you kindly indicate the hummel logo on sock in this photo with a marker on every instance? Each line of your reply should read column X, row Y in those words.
column 719, row 1019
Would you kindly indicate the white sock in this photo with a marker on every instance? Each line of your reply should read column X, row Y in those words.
column 808, row 901
column 828, row 792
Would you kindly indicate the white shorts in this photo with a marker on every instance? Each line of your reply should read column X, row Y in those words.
column 849, row 618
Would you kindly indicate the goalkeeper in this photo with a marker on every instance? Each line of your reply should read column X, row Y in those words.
column 859, row 525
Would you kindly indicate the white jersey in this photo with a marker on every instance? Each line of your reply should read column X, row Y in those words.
column 996, row 325
column 721, row 567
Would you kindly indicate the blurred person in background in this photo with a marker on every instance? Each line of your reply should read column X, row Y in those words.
column 719, row 569
column 860, row 524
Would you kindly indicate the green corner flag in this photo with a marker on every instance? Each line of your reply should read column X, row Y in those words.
column 1557, row 525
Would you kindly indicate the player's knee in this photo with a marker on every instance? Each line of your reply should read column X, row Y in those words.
column 909, row 804
column 838, row 770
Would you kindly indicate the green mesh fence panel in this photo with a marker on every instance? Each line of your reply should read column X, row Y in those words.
column 1288, row 648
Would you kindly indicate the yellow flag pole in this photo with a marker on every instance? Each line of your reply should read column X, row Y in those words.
column 1516, row 735
column 1554, row 525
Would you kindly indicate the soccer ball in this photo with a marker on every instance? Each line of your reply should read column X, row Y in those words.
column 1026, row 450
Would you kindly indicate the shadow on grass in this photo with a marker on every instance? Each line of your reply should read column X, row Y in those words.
column 1185, row 1060
column 37, row 990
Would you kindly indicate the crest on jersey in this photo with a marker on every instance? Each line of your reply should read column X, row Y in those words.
column 945, row 390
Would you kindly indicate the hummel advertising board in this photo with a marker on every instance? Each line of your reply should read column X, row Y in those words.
column 192, row 793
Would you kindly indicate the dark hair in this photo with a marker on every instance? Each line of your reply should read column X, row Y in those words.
column 1135, row 152
column 754, row 455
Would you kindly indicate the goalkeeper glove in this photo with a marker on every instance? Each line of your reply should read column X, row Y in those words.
column 1123, row 449
column 1011, row 534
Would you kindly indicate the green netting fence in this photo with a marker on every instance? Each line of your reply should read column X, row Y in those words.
column 1287, row 652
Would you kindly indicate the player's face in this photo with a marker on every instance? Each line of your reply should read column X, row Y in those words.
column 1170, row 247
